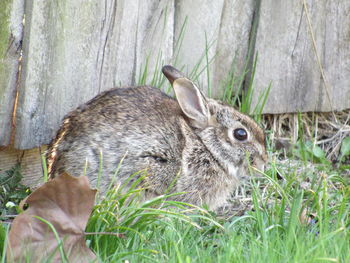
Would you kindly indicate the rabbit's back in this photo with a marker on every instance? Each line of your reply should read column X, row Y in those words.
column 136, row 124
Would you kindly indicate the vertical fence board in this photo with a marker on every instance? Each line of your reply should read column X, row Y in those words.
column 201, row 29
column 287, row 56
column 336, row 53
column 156, row 37
column 221, row 26
column 76, row 49
column 11, row 15
column 59, row 51
column 117, row 53
column 140, row 30
column 233, row 42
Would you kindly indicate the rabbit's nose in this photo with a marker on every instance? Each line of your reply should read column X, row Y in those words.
column 259, row 164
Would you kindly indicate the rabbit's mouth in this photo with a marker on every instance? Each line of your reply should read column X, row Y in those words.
column 259, row 166
column 250, row 168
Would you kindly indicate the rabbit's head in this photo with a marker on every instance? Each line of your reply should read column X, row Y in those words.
column 220, row 141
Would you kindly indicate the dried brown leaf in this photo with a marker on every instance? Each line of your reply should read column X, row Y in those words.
column 66, row 203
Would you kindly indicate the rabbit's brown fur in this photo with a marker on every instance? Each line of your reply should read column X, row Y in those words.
column 188, row 141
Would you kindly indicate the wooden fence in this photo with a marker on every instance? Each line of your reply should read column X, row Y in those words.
column 70, row 50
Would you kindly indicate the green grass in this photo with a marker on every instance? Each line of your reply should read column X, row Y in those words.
column 11, row 192
column 288, row 222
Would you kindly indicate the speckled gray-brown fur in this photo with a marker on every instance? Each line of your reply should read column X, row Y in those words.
column 151, row 132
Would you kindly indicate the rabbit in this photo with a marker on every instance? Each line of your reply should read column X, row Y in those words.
column 195, row 144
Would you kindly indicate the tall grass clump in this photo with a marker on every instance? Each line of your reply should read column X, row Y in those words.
column 287, row 222
column 124, row 226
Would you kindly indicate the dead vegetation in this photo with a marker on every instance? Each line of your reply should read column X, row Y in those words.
column 326, row 130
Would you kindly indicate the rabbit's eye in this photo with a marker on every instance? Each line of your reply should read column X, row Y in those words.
column 240, row 134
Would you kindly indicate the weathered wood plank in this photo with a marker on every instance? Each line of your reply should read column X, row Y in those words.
column 155, row 38
column 30, row 161
column 221, row 26
column 60, row 52
column 233, row 42
column 11, row 15
column 141, row 31
column 287, row 56
column 76, row 49
column 201, row 29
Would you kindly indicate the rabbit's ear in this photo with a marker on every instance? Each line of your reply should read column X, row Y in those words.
column 192, row 101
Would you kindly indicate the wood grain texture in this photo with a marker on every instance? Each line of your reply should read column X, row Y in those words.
column 202, row 28
column 75, row 49
column 30, row 161
column 60, row 53
column 11, row 13
column 232, row 43
column 287, row 56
